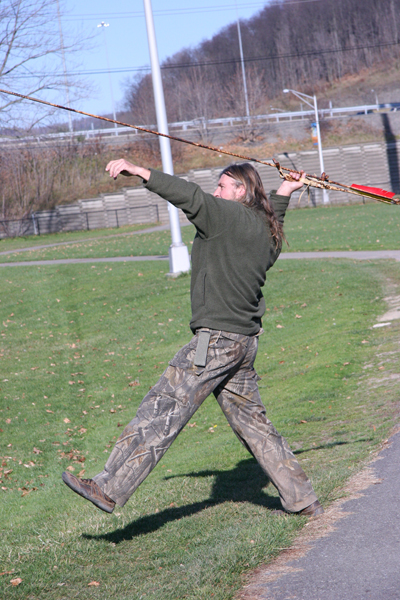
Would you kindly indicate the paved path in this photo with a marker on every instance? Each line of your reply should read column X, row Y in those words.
column 360, row 559
column 356, row 255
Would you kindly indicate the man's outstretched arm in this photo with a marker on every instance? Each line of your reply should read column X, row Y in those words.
column 123, row 167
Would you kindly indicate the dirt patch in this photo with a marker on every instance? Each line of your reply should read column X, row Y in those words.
column 394, row 309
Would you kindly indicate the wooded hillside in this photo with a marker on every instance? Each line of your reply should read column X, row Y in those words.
column 304, row 45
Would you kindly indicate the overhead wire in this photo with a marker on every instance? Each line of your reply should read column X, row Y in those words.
column 250, row 59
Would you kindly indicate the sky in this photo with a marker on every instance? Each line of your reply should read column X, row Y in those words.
column 122, row 47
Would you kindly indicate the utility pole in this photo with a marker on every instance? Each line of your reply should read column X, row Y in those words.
column 178, row 253
column 246, row 99
column 64, row 66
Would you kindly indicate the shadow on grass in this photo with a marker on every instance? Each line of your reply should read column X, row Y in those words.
column 331, row 445
column 244, row 483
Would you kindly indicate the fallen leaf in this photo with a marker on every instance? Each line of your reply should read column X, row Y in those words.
column 81, row 473
column 113, row 410
column 303, row 421
column 298, row 316
column 67, row 420
column 8, row 421
column 34, row 368
column 82, row 430
column 303, row 305
column 133, row 383
column 49, row 411
column 37, row 451
column 70, row 469
column 94, row 583
column 279, row 326
column 71, row 382
column 7, row 573
column 16, row 581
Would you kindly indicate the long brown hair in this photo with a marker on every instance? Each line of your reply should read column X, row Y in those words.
column 255, row 196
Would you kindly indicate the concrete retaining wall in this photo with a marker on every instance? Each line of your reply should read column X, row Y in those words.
column 375, row 164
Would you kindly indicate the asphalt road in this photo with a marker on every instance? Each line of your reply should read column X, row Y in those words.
column 360, row 559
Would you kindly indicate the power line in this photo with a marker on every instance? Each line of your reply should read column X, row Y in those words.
column 181, row 11
column 223, row 61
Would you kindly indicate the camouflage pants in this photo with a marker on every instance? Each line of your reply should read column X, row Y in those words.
column 229, row 373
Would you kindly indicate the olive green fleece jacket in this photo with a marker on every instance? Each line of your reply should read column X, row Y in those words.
column 232, row 251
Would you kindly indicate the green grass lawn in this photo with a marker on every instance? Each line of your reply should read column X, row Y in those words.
column 356, row 227
column 79, row 347
column 68, row 236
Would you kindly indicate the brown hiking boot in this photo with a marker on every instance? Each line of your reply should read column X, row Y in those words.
column 88, row 489
column 313, row 510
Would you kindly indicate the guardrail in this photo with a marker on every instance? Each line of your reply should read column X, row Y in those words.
column 202, row 123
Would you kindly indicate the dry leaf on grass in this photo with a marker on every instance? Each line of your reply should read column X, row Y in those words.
column 94, row 583
column 16, row 581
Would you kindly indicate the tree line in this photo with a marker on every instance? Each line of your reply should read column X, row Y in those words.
column 301, row 45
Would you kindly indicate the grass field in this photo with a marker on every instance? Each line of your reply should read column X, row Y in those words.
column 81, row 344
column 356, row 227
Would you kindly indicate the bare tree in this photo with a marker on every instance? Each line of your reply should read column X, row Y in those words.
column 31, row 50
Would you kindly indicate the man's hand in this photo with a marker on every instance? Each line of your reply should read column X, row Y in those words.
column 294, row 182
column 123, row 167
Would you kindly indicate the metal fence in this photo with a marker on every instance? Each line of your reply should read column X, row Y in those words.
column 201, row 123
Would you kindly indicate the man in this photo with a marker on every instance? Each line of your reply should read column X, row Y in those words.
column 239, row 237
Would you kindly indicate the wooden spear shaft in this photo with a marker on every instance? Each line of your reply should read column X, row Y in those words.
column 322, row 182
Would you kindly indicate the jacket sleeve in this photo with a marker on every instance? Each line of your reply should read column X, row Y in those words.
column 279, row 204
column 203, row 210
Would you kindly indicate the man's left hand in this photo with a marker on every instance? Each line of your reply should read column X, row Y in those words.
column 293, row 182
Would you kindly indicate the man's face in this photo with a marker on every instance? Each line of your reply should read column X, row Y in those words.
column 229, row 190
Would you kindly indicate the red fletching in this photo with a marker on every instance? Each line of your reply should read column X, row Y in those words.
column 377, row 193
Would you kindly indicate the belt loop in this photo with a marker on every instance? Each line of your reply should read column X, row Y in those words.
column 200, row 359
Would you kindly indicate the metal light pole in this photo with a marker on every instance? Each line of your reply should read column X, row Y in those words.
column 103, row 25
column 64, row 66
column 178, row 253
column 246, row 99
column 305, row 98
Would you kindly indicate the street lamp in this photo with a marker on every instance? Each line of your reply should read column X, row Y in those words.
column 179, row 261
column 306, row 98
column 103, row 25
